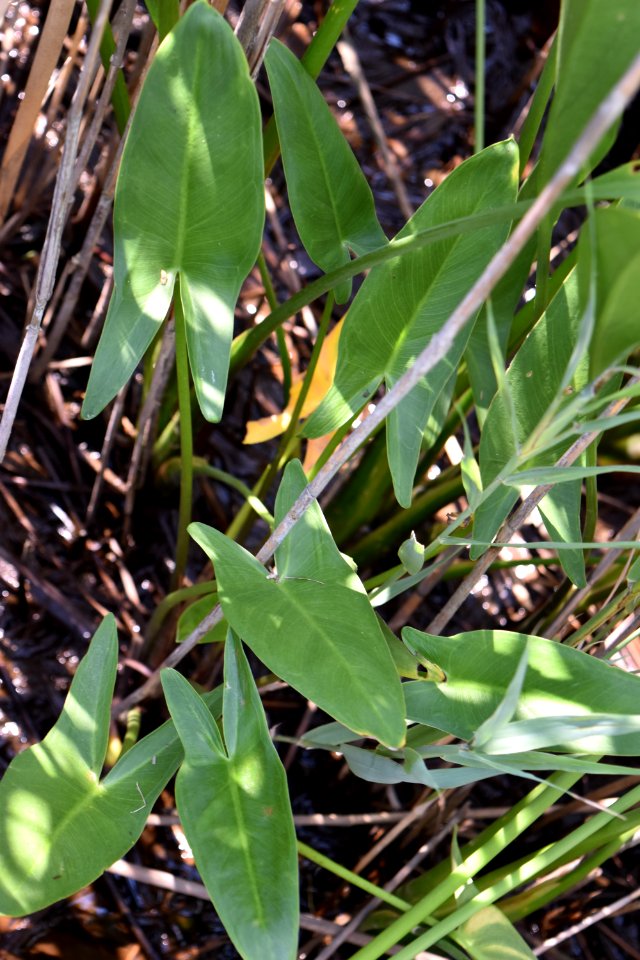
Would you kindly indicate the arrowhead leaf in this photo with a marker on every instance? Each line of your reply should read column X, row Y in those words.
column 323, row 638
column 235, row 810
column 189, row 202
column 60, row 825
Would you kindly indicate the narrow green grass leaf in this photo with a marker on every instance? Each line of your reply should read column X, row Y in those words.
column 539, row 760
column 322, row 638
column 403, row 303
column 189, row 202
column 235, row 810
column 331, row 201
column 539, row 733
column 539, row 475
column 560, row 682
column 516, row 762
column 60, row 825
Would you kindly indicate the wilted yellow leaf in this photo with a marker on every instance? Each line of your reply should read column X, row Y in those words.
column 268, row 427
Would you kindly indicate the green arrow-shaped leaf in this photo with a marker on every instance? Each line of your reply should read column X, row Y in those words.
column 403, row 303
column 322, row 638
column 234, row 806
column 189, row 202
column 60, row 825
column 560, row 682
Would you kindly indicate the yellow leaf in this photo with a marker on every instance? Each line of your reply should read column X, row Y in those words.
column 268, row 427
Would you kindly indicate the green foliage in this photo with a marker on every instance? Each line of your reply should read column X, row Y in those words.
column 536, row 377
column 165, row 15
column 188, row 223
column 585, row 72
column 189, row 203
column 330, row 199
column 317, row 598
column 560, row 682
column 194, row 613
column 233, row 803
column 615, row 264
column 488, row 935
column 61, row 825
column 402, row 305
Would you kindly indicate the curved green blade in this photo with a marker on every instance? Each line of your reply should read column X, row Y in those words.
column 403, row 303
column 331, row 201
column 235, row 810
column 189, row 201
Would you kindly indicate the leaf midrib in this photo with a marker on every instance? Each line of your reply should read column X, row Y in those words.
column 193, row 124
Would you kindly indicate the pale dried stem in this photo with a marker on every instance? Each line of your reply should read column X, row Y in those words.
column 82, row 263
column 60, row 79
column 44, row 62
column 256, row 26
column 609, row 911
column 105, row 453
column 96, row 321
column 167, row 881
column 62, row 198
column 609, row 110
column 122, row 29
column 83, row 260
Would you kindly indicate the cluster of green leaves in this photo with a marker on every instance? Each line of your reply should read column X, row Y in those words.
column 188, row 220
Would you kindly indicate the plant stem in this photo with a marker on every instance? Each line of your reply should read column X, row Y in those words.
column 172, row 600
column 186, row 440
column 282, row 343
column 353, row 878
column 480, row 69
column 201, row 468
